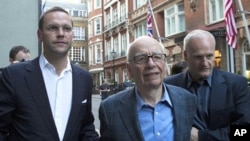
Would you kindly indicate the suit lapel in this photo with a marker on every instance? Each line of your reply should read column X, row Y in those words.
column 130, row 121
column 177, row 112
column 180, row 78
column 76, row 99
column 38, row 90
column 218, row 91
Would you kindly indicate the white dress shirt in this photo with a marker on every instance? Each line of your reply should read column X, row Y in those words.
column 59, row 90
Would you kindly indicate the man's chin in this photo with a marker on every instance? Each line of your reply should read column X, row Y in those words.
column 204, row 76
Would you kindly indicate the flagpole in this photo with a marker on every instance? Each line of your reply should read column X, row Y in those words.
column 244, row 20
column 152, row 13
column 157, row 31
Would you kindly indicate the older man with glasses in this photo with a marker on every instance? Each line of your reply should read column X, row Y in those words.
column 151, row 110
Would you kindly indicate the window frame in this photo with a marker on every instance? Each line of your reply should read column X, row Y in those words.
column 176, row 17
column 216, row 11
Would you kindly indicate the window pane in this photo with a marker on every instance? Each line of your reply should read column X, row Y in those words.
column 181, row 7
column 221, row 10
column 174, row 19
column 216, row 10
column 182, row 24
column 76, row 54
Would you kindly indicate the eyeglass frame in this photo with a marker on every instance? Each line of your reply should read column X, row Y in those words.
column 149, row 56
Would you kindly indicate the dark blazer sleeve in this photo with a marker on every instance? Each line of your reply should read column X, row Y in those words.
column 6, row 106
column 82, row 114
column 230, row 102
column 118, row 118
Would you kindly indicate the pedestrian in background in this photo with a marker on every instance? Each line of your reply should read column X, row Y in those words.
column 48, row 98
column 127, row 83
column 223, row 97
column 104, row 89
column 178, row 67
column 152, row 110
column 19, row 54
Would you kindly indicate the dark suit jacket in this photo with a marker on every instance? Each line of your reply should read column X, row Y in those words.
column 229, row 103
column 119, row 118
column 25, row 113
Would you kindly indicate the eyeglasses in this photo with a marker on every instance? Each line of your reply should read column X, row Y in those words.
column 141, row 59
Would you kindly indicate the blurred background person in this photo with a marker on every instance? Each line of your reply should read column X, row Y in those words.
column 19, row 54
column 104, row 89
column 179, row 67
column 127, row 84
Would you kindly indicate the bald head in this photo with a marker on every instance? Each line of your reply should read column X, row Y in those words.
column 197, row 34
column 142, row 42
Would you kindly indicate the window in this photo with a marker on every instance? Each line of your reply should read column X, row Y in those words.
column 77, row 54
column 89, row 5
column 79, row 33
column 246, row 59
column 139, row 3
column 108, row 50
column 90, row 30
column 107, row 18
column 216, row 10
column 97, row 26
column 90, row 54
column 75, row 13
column 98, row 54
column 83, row 13
column 141, row 29
column 123, row 44
column 115, row 17
column 115, row 44
column 123, row 10
column 108, row 23
column 97, row 4
column 174, row 19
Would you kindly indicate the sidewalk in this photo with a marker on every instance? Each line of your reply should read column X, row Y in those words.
column 96, row 96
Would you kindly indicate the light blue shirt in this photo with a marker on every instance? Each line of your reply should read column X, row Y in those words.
column 157, row 123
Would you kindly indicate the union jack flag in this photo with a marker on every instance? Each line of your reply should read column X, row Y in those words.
column 231, row 29
column 149, row 21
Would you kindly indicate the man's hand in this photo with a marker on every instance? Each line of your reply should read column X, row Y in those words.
column 194, row 134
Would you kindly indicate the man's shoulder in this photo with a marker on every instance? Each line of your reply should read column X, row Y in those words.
column 76, row 68
column 1, row 71
column 178, row 90
column 175, row 88
column 120, row 96
column 175, row 79
column 227, row 75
